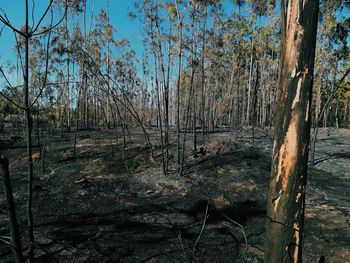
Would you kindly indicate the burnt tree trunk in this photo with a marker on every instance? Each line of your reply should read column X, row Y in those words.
column 286, row 200
column 29, row 124
column 178, row 84
column 14, row 230
column 255, row 101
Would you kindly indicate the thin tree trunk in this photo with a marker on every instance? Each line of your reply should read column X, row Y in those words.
column 167, row 89
column 255, row 99
column 14, row 229
column 76, row 123
column 190, row 95
column 178, row 93
column 318, row 98
column 159, row 116
column 238, row 108
column 166, row 82
column 186, row 122
column 68, row 77
column 203, row 74
column 194, row 125
column 323, row 110
column 38, row 132
column 250, row 86
column 29, row 121
column 43, row 156
column 336, row 124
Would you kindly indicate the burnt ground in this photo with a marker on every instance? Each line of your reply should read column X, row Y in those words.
column 97, row 207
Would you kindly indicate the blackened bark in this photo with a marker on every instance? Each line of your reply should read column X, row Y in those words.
column 14, row 230
column 255, row 100
column 29, row 123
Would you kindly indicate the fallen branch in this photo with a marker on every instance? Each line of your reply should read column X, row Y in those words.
column 6, row 240
column 206, row 216
column 243, row 233
column 178, row 233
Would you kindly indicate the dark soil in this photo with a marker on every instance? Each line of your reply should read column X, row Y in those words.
column 96, row 207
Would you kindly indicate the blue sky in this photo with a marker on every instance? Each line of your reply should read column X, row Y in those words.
column 119, row 10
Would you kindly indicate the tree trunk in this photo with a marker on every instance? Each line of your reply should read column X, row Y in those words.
column 43, row 155
column 255, row 100
column 178, row 95
column 249, row 87
column 29, row 123
column 286, row 199
column 159, row 115
column 68, row 106
column 190, row 96
column 76, row 123
column 14, row 230
column 203, row 74
column 166, row 97
column 323, row 110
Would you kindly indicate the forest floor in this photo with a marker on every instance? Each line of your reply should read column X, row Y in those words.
column 97, row 208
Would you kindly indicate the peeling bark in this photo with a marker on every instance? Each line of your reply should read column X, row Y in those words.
column 286, row 200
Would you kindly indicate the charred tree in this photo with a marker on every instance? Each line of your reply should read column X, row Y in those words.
column 14, row 230
column 286, row 199
column 255, row 100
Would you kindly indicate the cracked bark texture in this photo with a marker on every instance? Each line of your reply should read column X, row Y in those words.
column 286, row 201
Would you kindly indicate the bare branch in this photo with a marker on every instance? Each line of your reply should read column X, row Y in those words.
column 33, row 13
column 5, row 77
column 178, row 233
column 202, row 230
column 242, row 230
column 46, row 65
column 4, row 19
column 2, row 30
column 53, row 103
column 19, row 52
column 11, row 100
column 52, row 26
column 42, row 18
column 331, row 95
column 12, row 88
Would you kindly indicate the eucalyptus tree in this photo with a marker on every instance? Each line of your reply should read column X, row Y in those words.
column 177, row 11
column 99, row 47
column 103, row 34
column 13, row 223
column 25, row 35
column 286, row 198
column 332, row 69
column 201, row 19
column 158, row 36
column 240, row 28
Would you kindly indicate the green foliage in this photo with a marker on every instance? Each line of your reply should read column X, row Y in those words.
column 6, row 107
column 261, row 7
column 239, row 2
